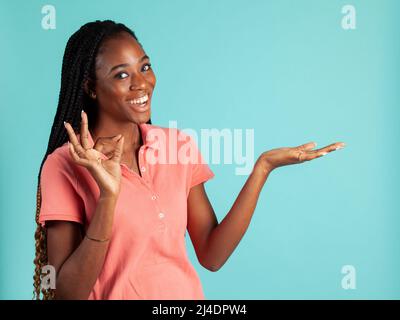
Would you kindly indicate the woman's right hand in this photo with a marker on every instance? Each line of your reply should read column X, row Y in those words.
column 106, row 172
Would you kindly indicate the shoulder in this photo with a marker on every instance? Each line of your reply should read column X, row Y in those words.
column 59, row 160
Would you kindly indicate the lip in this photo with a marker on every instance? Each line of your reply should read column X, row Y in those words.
column 138, row 97
column 140, row 108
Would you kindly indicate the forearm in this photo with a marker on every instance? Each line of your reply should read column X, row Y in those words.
column 79, row 272
column 224, row 238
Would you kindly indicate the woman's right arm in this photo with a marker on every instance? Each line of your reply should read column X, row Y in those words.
column 77, row 259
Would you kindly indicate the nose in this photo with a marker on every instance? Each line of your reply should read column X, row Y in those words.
column 138, row 82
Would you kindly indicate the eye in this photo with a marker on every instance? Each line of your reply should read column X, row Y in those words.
column 146, row 67
column 118, row 75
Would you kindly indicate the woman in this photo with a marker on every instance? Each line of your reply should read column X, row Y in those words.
column 111, row 223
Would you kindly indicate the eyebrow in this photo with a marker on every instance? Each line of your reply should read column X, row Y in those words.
column 127, row 64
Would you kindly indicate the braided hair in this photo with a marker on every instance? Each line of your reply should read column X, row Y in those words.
column 78, row 66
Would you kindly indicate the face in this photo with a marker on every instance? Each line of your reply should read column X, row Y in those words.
column 124, row 80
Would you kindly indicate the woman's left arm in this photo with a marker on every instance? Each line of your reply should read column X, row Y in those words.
column 214, row 242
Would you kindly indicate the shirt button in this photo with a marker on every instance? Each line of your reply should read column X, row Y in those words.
column 143, row 169
column 161, row 215
column 153, row 197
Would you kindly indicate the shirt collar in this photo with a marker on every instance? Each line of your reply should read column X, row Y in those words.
column 144, row 129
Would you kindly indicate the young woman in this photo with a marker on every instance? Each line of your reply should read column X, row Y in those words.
column 111, row 223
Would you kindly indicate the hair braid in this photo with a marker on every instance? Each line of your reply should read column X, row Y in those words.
column 78, row 65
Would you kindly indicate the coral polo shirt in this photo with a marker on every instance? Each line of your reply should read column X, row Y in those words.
column 147, row 257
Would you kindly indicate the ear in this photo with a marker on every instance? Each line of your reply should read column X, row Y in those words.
column 89, row 88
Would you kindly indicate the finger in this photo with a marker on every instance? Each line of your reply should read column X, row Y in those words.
column 75, row 156
column 117, row 137
column 118, row 150
column 84, row 131
column 99, row 145
column 331, row 147
column 74, row 140
column 313, row 154
column 307, row 146
column 307, row 156
column 110, row 145
column 106, row 144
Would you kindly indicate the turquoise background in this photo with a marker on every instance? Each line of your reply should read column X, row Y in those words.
column 288, row 70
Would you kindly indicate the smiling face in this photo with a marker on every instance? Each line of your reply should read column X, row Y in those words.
column 124, row 80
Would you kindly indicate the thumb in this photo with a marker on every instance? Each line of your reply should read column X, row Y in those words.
column 117, row 137
column 118, row 151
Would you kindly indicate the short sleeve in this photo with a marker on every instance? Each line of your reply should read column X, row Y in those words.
column 59, row 197
column 199, row 170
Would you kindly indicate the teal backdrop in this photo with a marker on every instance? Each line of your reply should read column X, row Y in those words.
column 288, row 70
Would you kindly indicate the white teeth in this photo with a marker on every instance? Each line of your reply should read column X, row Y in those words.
column 140, row 100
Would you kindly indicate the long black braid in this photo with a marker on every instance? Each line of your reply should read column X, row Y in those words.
column 78, row 66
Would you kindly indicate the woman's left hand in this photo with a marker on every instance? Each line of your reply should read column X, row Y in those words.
column 275, row 158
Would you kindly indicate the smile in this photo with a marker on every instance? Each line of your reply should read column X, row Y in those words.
column 140, row 100
column 141, row 104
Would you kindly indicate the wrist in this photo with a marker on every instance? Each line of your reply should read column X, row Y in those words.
column 261, row 172
column 108, row 196
column 262, row 167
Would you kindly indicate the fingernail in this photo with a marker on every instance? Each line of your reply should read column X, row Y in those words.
column 64, row 123
column 323, row 153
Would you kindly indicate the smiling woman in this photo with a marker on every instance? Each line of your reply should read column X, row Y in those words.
column 106, row 73
column 109, row 222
